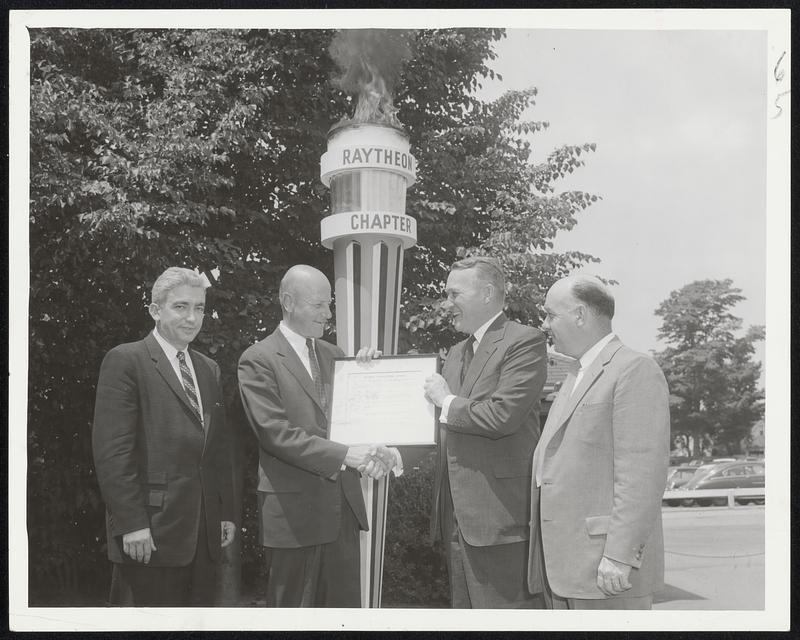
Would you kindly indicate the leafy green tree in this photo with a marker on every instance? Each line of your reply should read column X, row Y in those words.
column 713, row 380
column 151, row 148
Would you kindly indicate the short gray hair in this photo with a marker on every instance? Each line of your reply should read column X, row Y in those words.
column 172, row 278
column 488, row 270
column 594, row 295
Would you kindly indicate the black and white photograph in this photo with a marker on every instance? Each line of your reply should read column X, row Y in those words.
column 578, row 221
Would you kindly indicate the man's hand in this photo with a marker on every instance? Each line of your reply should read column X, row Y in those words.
column 612, row 576
column 374, row 460
column 365, row 354
column 382, row 461
column 436, row 389
column 228, row 531
column 357, row 456
column 138, row 545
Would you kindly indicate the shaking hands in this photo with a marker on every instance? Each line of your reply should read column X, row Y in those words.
column 374, row 460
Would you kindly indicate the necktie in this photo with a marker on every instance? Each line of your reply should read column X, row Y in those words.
column 188, row 385
column 316, row 375
column 469, row 351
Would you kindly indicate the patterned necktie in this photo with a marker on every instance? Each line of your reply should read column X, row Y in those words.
column 315, row 373
column 188, row 385
column 469, row 351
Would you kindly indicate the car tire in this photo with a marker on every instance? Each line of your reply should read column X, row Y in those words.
column 719, row 502
column 687, row 502
column 672, row 503
column 703, row 502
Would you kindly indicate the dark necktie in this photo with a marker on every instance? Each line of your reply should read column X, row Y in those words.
column 469, row 351
column 188, row 385
column 315, row 373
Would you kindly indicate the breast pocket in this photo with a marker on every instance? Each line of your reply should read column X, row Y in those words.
column 591, row 423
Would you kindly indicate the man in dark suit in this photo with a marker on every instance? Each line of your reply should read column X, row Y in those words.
column 489, row 393
column 162, row 456
column 600, row 466
column 309, row 491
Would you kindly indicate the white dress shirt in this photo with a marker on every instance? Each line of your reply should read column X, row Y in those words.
column 298, row 343
column 172, row 355
column 589, row 357
column 478, row 335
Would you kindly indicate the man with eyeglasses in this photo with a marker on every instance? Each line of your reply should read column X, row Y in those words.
column 162, row 456
column 489, row 393
column 311, row 509
column 600, row 466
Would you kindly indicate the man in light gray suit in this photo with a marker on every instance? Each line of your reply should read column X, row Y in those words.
column 600, row 465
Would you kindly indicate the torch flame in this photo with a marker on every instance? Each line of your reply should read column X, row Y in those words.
column 374, row 101
column 371, row 61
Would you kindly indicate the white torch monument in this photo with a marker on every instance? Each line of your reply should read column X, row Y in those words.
column 368, row 168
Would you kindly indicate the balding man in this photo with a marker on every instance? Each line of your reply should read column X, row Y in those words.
column 489, row 393
column 309, row 493
column 600, row 465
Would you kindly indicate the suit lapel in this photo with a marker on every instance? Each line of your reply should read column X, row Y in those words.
column 594, row 371
column 296, row 367
column 587, row 380
column 166, row 371
column 205, row 384
column 488, row 345
column 568, row 403
column 556, row 411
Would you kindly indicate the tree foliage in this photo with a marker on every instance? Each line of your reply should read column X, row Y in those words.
column 713, row 379
column 152, row 148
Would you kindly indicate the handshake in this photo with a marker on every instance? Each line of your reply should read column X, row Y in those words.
column 374, row 460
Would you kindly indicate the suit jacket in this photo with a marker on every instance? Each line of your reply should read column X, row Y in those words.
column 300, row 484
column 493, row 426
column 605, row 450
column 156, row 465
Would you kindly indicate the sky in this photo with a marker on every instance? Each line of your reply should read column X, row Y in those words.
column 679, row 119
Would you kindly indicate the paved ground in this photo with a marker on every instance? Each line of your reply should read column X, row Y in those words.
column 714, row 558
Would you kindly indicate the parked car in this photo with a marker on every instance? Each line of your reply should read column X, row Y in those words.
column 727, row 475
column 679, row 476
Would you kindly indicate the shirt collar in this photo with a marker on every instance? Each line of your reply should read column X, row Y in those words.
column 587, row 358
column 481, row 331
column 297, row 341
column 170, row 351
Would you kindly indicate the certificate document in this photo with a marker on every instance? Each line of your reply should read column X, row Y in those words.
column 383, row 401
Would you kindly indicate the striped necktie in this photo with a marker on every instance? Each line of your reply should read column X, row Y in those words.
column 316, row 375
column 188, row 385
